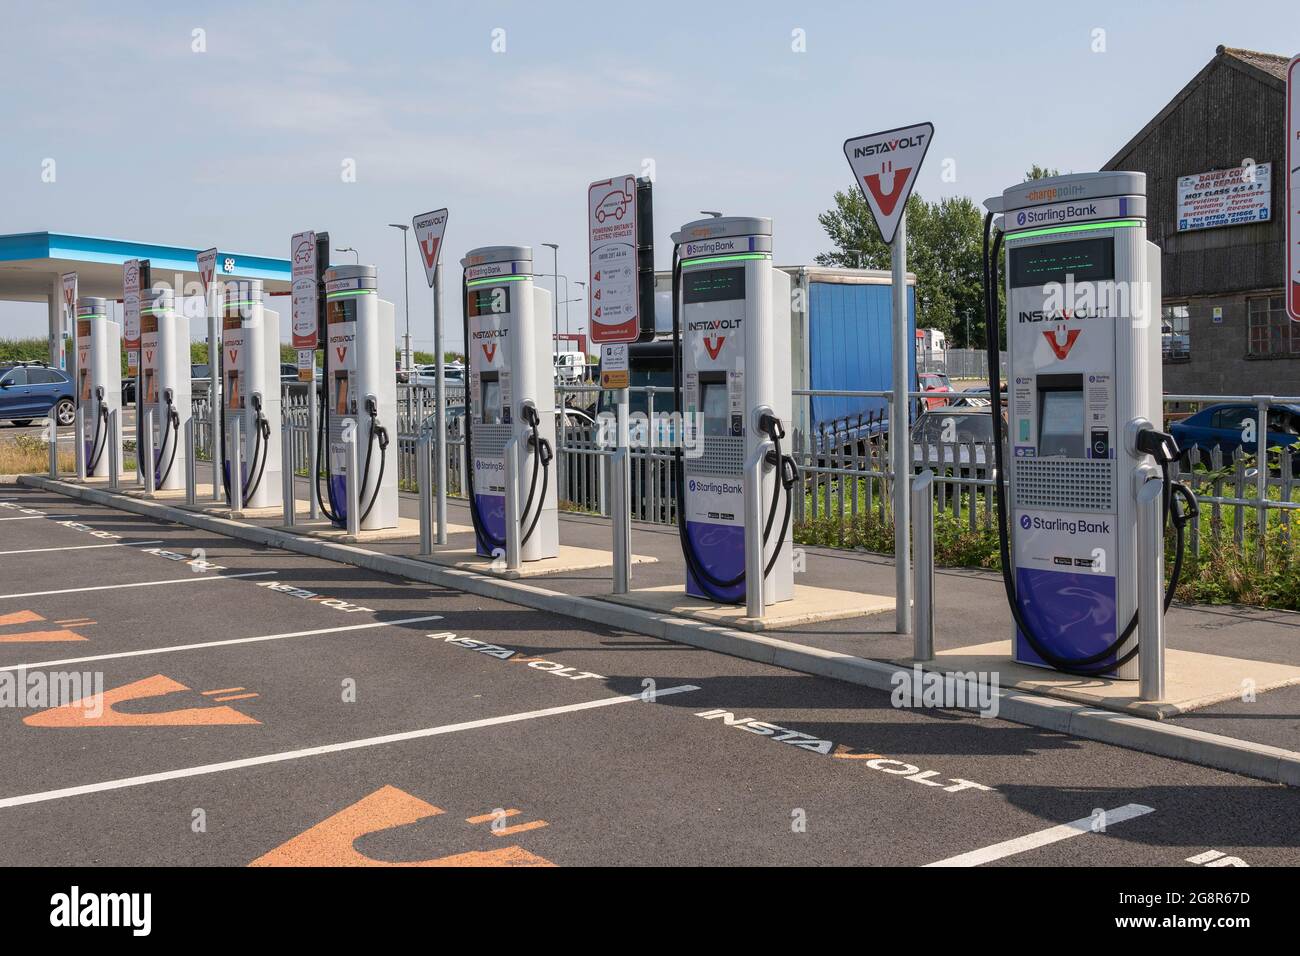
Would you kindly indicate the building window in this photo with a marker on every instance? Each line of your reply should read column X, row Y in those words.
column 1271, row 331
column 1175, row 333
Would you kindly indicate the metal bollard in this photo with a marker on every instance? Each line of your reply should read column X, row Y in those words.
column 1150, row 591
column 462, row 457
column 621, row 518
column 313, row 478
column 422, row 478
column 235, row 455
column 79, row 439
column 114, row 449
column 54, row 444
column 353, row 486
column 923, row 565
column 755, row 605
column 287, row 487
column 511, row 454
column 145, row 455
column 440, row 471
column 191, row 465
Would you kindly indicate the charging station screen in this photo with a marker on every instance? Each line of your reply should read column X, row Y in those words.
column 713, row 285
column 1060, row 430
column 490, row 301
column 1087, row 260
column 716, row 408
column 340, row 310
column 491, row 386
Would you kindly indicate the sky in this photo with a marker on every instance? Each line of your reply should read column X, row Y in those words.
column 233, row 124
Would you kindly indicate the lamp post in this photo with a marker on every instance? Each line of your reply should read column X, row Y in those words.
column 406, row 295
column 555, row 327
column 583, row 286
column 351, row 250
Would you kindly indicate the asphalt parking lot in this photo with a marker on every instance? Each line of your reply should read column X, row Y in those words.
column 243, row 705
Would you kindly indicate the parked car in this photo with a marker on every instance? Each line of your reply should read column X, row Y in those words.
column 1223, row 426
column 426, row 376
column 28, row 390
column 934, row 382
column 930, row 449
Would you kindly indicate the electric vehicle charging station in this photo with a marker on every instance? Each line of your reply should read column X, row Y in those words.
column 359, row 400
column 511, row 401
column 250, row 372
column 99, row 382
column 1083, row 391
column 731, row 325
column 163, row 388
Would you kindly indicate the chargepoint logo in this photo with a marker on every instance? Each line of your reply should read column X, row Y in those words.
column 1053, row 192
column 1064, row 525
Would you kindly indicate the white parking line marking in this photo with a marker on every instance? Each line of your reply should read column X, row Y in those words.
column 1044, row 837
column 30, row 517
column 139, row 584
column 172, row 649
column 83, row 547
column 210, row 768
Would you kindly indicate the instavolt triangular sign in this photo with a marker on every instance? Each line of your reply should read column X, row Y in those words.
column 429, row 230
column 885, row 167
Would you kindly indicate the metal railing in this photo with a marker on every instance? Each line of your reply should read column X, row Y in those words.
column 845, row 464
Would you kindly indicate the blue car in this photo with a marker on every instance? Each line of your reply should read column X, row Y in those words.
column 29, row 391
column 1222, row 425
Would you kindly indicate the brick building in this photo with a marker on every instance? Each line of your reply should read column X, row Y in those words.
column 1224, row 320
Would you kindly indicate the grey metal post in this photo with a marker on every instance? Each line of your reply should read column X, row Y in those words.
column 462, row 452
column 288, row 486
column 620, row 486
column 145, row 454
column 900, row 435
column 1151, row 576
column 422, row 478
column 754, row 556
column 54, row 444
column 353, row 486
column 114, row 448
column 440, row 418
column 1262, row 403
column 512, row 504
column 236, row 455
column 923, row 568
column 313, row 438
column 216, row 439
column 79, row 438
column 191, row 465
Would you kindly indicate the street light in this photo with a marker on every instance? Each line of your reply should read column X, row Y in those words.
column 555, row 327
column 584, row 288
column 351, row 250
column 406, row 295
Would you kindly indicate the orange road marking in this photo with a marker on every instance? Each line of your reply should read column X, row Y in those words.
column 20, row 617
column 331, row 842
column 31, row 637
column 489, row 817
column 78, row 713
column 843, row 752
column 224, row 690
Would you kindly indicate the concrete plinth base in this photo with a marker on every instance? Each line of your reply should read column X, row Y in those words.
column 171, row 496
column 301, row 507
column 569, row 559
column 408, row 529
column 810, row 604
column 1192, row 679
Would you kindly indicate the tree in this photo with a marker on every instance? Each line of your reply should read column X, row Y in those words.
column 1040, row 172
column 943, row 249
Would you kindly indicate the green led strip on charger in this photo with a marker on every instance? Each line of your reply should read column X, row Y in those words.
column 732, row 258
column 493, row 280
column 1077, row 227
column 350, row 293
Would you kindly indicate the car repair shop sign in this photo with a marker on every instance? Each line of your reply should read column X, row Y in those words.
column 611, row 221
column 1225, row 197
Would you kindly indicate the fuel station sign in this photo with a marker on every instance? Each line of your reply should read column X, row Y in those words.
column 612, row 305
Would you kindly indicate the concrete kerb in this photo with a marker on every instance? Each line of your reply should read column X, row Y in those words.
column 1264, row 762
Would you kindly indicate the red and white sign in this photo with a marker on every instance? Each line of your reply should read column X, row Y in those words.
column 207, row 267
column 131, row 304
column 429, row 230
column 304, row 295
column 884, row 167
column 613, row 300
column 1293, row 189
column 69, row 300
